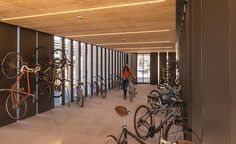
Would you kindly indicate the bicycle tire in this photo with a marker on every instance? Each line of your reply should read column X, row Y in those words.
column 80, row 96
column 59, row 58
column 138, row 120
column 44, row 89
column 9, row 65
column 95, row 88
column 11, row 110
column 44, row 58
column 57, row 87
column 173, row 135
column 131, row 96
column 103, row 91
column 111, row 140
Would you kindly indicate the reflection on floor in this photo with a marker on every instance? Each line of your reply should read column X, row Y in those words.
column 75, row 125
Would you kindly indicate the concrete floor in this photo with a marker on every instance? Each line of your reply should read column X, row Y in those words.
column 75, row 125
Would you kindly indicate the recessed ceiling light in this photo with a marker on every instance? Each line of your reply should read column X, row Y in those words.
column 123, row 39
column 79, row 17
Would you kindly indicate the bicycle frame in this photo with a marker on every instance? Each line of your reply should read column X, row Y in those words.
column 125, row 132
column 15, row 90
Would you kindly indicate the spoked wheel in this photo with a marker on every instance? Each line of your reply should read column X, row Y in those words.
column 103, row 91
column 12, row 108
column 44, row 92
column 95, row 88
column 174, row 132
column 57, row 86
column 111, row 140
column 59, row 58
column 11, row 65
column 80, row 97
column 43, row 57
column 131, row 94
column 142, row 121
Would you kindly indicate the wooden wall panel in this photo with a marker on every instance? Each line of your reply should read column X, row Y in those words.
column 7, row 43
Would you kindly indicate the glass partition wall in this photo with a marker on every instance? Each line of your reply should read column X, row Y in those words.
column 88, row 62
column 143, row 68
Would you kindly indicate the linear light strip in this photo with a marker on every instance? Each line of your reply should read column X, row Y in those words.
column 83, row 10
column 119, row 33
column 134, row 43
column 143, row 49
column 147, row 48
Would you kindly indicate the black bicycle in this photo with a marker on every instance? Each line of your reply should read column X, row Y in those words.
column 123, row 138
column 171, row 127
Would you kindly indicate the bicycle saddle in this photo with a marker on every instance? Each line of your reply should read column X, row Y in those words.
column 122, row 111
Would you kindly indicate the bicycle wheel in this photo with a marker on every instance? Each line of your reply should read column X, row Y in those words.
column 103, row 91
column 11, row 65
column 59, row 58
column 174, row 132
column 43, row 57
column 80, row 96
column 12, row 108
column 142, row 121
column 44, row 92
column 95, row 88
column 57, row 87
column 131, row 96
column 111, row 140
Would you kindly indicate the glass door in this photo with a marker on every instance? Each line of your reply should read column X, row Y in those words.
column 143, row 68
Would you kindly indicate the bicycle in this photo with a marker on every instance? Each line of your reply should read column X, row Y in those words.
column 163, row 94
column 16, row 101
column 99, row 86
column 144, row 121
column 123, row 138
column 131, row 89
column 117, row 82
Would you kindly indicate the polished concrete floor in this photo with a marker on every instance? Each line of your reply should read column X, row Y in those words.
column 75, row 125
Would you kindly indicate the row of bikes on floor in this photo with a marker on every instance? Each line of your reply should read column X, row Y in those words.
column 50, row 70
column 171, row 128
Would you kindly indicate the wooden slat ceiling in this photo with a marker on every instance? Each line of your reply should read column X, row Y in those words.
column 125, row 25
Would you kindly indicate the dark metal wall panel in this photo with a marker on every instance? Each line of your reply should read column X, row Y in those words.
column 27, row 46
column 8, row 41
column 215, row 70
column 172, row 67
column 196, row 72
column 163, row 60
column 206, row 70
column 154, row 68
column 233, row 69
column 45, row 100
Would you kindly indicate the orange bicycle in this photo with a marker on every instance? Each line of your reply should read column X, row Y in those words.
column 16, row 105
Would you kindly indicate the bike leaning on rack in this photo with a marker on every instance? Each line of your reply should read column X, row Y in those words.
column 99, row 86
column 123, row 138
